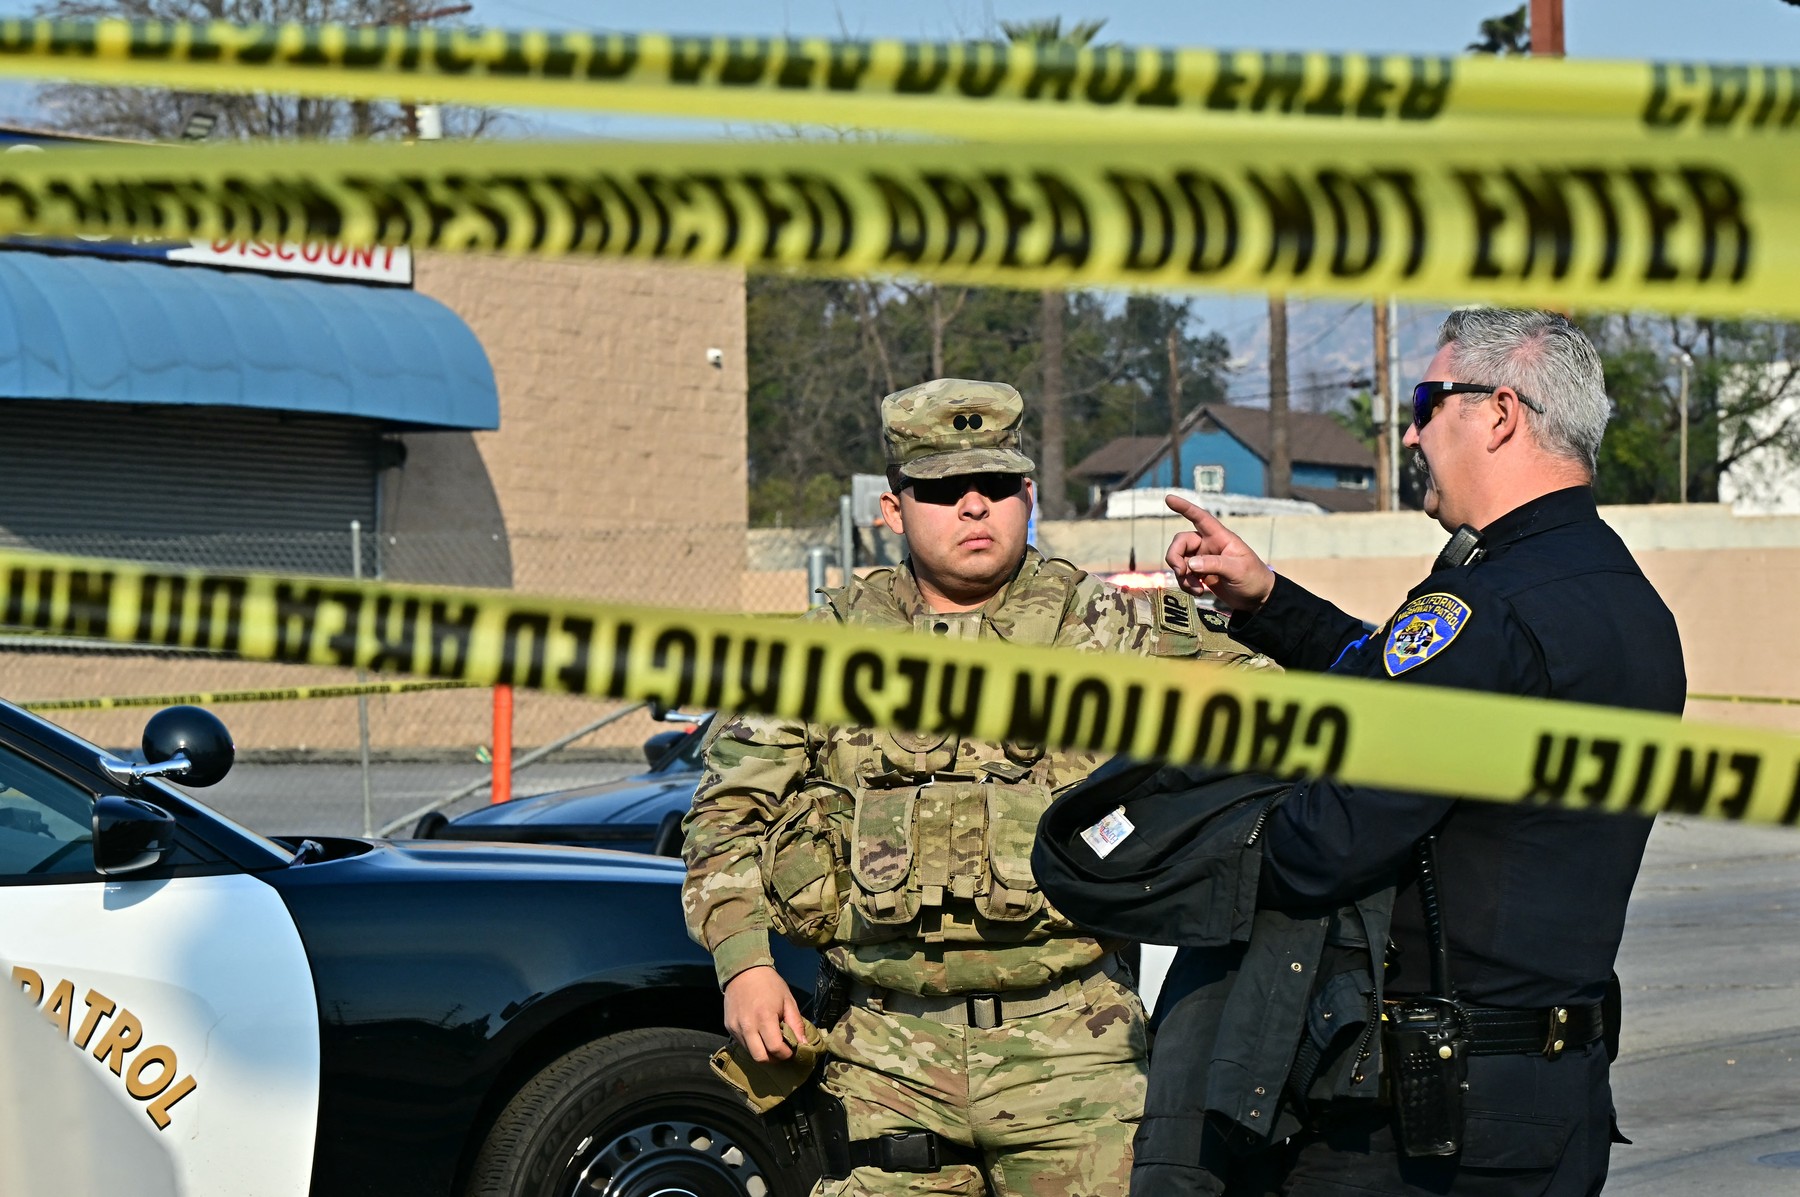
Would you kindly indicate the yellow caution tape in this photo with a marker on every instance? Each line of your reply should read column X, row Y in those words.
column 1745, row 698
column 954, row 88
column 207, row 698
column 1361, row 731
column 1701, row 225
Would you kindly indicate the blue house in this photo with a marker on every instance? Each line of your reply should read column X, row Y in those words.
column 1225, row 450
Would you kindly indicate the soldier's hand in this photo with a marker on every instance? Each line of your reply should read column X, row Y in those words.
column 757, row 1003
column 1214, row 559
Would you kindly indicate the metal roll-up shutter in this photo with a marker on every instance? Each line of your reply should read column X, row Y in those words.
column 207, row 486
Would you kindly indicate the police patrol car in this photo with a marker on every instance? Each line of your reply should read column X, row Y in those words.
column 342, row 1016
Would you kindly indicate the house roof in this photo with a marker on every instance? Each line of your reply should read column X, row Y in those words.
column 1121, row 455
column 1337, row 499
column 1313, row 437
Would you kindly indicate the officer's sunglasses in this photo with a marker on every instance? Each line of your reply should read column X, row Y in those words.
column 948, row 492
column 1427, row 395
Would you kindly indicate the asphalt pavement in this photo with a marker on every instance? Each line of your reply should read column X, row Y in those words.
column 327, row 799
column 1708, row 1080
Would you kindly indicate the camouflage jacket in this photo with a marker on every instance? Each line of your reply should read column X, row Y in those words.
column 907, row 855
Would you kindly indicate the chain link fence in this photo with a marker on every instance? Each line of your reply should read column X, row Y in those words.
column 300, row 764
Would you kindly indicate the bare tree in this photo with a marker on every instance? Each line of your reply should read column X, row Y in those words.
column 1744, row 406
column 938, row 319
column 150, row 114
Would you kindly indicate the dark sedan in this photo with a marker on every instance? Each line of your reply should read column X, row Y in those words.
column 640, row 813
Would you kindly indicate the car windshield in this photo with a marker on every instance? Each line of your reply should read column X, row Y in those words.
column 685, row 755
column 263, row 841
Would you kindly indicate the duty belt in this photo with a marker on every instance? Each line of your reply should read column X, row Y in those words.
column 1500, row 1032
column 984, row 1011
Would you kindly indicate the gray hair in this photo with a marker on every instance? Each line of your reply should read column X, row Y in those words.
column 1543, row 356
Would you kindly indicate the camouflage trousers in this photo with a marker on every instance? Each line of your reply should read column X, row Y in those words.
column 1051, row 1101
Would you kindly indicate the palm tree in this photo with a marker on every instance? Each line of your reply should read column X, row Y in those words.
column 1510, row 33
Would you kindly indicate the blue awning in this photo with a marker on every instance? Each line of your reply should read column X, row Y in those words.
column 74, row 327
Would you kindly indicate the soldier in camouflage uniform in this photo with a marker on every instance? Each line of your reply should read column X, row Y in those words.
column 977, row 1012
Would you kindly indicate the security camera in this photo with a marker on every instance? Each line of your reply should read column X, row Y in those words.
column 715, row 358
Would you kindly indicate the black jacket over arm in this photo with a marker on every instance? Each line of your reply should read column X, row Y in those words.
column 1534, row 898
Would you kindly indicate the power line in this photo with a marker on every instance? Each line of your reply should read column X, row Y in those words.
column 1342, row 320
column 1346, row 384
column 562, row 19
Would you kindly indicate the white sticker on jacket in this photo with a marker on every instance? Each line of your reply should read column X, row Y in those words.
column 1108, row 833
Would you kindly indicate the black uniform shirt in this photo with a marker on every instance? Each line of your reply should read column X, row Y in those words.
column 1533, row 898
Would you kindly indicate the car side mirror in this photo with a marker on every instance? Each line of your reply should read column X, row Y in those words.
column 130, row 834
column 195, row 733
column 658, row 746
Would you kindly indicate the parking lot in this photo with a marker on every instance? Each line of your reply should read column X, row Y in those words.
column 327, row 799
column 1708, row 1084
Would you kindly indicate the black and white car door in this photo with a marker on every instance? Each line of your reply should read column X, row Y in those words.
column 185, row 988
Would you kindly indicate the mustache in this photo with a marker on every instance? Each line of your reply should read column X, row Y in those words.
column 1420, row 464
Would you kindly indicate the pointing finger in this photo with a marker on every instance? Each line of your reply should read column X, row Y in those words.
column 1184, row 508
column 1205, row 523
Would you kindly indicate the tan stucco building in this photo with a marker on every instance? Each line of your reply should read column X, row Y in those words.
column 617, row 471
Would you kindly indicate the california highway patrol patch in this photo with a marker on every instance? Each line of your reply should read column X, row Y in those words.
column 1422, row 629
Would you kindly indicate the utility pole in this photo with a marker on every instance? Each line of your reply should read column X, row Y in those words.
column 1378, row 408
column 1397, row 420
column 407, row 17
column 1281, row 462
column 1175, row 405
column 1686, row 361
column 1055, row 497
column 1547, row 28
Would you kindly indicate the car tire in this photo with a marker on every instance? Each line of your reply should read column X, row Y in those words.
column 632, row 1115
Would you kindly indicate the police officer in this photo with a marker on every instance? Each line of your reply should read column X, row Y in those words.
column 1535, row 596
column 978, row 1014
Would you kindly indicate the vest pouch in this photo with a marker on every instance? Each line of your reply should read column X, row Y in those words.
column 805, row 867
column 918, row 754
column 881, row 861
column 1011, row 894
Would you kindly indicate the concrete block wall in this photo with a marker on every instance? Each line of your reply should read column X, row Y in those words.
column 1726, row 577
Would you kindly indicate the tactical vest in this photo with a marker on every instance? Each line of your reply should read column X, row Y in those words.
column 924, row 835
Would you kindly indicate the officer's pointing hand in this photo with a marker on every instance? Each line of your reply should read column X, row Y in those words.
column 1212, row 559
column 757, row 1002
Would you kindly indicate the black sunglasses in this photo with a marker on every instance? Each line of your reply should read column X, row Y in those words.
column 948, row 492
column 1427, row 395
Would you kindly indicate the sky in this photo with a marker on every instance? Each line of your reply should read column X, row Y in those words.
column 1727, row 30
column 1329, row 340
column 1722, row 29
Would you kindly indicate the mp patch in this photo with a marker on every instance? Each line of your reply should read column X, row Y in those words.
column 1422, row 629
column 1176, row 614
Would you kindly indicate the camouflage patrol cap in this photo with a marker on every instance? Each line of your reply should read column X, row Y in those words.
column 952, row 426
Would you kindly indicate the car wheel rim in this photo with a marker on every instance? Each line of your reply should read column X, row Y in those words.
column 664, row 1157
